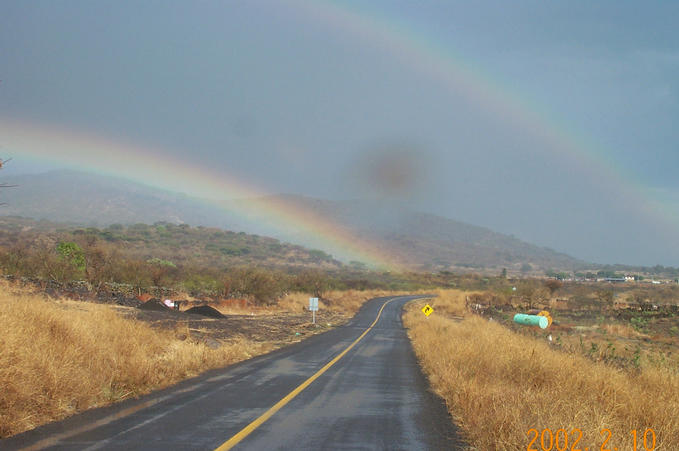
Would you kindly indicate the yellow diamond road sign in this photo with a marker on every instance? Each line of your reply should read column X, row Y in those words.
column 427, row 310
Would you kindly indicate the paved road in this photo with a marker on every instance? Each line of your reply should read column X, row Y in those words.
column 373, row 397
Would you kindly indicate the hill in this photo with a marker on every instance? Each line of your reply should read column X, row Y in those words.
column 89, row 199
column 431, row 242
column 182, row 244
column 418, row 240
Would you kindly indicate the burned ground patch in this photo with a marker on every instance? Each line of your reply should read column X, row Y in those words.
column 279, row 328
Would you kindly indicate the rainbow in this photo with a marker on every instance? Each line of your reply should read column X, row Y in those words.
column 455, row 74
column 153, row 167
column 415, row 52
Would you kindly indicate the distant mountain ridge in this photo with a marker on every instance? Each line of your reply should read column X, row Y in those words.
column 418, row 240
column 91, row 199
column 433, row 242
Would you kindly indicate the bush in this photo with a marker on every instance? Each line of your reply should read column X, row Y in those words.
column 312, row 281
column 263, row 286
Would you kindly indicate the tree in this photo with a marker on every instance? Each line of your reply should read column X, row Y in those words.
column 136, row 273
column 72, row 254
column 160, row 270
column 261, row 285
column 61, row 262
column 199, row 281
column 14, row 260
column 319, row 256
column 532, row 292
column 553, row 285
column 102, row 263
column 312, row 281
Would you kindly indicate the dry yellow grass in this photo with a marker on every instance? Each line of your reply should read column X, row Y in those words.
column 498, row 385
column 448, row 302
column 61, row 357
column 349, row 301
column 622, row 330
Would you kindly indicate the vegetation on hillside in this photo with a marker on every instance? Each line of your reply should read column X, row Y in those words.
column 181, row 244
column 190, row 261
column 418, row 241
column 196, row 261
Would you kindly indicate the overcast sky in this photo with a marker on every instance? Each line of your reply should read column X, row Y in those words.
column 343, row 100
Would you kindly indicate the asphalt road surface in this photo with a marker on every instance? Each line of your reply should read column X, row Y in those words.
column 373, row 396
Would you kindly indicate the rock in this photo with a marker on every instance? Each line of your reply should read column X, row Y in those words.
column 212, row 343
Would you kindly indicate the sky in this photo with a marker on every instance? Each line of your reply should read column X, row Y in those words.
column 551, row 121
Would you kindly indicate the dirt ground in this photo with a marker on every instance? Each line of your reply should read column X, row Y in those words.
column 279, row 328
column 623, row 338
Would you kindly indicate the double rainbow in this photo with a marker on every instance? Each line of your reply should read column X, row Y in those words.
column 154, row 167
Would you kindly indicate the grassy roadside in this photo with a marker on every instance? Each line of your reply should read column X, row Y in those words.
column 347, row 302
column 499, row 385
column 60, row 357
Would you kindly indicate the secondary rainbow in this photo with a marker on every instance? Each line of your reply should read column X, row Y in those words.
column 153, row 167
column 416, row 53
column 421, row 55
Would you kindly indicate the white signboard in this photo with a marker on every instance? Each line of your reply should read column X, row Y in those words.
column 313, row 304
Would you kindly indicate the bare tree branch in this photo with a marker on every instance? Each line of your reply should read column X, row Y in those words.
column 3, row 162
column 2, row 184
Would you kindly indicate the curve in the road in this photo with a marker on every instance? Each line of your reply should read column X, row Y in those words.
column 247, row 430
column 358, row 386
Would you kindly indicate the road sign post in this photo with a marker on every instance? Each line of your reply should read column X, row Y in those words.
column 313, row 306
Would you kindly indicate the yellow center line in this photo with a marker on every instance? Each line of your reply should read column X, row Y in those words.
column 247, row 430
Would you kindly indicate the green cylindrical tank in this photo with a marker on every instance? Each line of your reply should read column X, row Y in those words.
column 531, row 320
